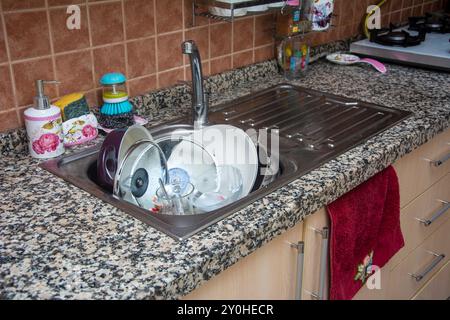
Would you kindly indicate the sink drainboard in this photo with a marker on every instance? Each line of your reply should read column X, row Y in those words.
column 313, row 128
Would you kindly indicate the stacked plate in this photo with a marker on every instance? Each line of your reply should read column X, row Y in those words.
column 220, row 162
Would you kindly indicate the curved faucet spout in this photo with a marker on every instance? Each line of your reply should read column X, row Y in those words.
column 199, row 98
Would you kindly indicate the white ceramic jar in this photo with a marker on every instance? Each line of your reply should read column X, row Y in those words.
column 44, row 129
column 44, row 126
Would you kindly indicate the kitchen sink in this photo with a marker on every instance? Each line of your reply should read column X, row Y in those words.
column 313, row 128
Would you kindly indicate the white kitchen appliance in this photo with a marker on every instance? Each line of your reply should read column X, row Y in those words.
column 424, row 43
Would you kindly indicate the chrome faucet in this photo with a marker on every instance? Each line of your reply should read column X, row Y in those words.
column 199, row 97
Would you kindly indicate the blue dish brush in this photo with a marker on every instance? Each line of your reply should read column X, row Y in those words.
column 115, row 96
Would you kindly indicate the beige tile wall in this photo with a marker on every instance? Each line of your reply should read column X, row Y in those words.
column 140, row 38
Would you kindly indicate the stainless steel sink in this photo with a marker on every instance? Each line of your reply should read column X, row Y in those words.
column 313, row 128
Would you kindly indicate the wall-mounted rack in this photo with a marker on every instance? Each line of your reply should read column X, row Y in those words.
column 228, row 10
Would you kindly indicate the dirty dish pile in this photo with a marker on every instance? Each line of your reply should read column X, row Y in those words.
column 180, row 175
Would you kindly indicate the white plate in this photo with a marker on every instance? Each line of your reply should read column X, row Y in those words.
column 131, row 136
column 342, row 58
column 231, row 146
column 200, row 165
column 222, row 12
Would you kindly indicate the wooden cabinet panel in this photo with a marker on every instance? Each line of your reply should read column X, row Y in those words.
column 416, row 173
column 313, row 248
column 268, row 273
column 423, row 207
column 438, row 288
column 271, row 271
column 402, row 285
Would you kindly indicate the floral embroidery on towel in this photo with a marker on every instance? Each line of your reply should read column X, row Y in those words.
column 365, row 269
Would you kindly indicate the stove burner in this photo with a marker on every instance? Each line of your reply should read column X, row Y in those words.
column 389, row 37
column 396, row 36
column 431, row 23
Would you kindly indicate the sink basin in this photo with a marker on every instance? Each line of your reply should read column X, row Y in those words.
column 313, row 128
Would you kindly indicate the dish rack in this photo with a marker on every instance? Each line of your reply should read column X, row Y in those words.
column 232, row 9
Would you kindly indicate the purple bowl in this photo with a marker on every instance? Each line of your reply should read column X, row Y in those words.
column 107, row 161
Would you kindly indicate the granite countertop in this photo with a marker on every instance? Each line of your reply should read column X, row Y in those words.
column 58, row 242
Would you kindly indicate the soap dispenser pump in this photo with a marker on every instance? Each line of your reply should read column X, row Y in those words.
column 44, row 125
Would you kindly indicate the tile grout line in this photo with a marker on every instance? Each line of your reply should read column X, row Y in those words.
column 11, row 71
column 254, row 39
column 125, row 46
column 209, row 45
column 52, row 48
column 91, row 44
column 155, row 27
column 183, row 21
column 232, row 44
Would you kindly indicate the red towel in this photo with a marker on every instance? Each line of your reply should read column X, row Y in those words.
column 363, row 221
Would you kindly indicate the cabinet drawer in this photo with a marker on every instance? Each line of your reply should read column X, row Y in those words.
column 420, row 262
column 415, row 171
column 269, row 273
column 432, row 209
column 438, row 288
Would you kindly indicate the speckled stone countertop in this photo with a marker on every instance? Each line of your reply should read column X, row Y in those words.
column 58, row 242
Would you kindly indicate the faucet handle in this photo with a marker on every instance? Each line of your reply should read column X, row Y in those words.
column 189, row 46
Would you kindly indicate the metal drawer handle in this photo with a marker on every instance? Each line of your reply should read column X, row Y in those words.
column 437, row 258
column 323, row 264
column 439, row 162
column 300, row 247
column 440, row 212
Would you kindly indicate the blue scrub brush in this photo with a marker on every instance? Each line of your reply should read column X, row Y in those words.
column 117, row 111
column 115, row 95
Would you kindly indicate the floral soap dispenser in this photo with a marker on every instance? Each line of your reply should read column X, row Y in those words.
column 44, row 126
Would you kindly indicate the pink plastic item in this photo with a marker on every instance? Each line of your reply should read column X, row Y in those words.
column 374, row 63
column 349, row 59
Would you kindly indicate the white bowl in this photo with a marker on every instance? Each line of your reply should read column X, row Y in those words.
column 131, row 136
column 229, row 190
column 195, row 160
column 231, row 146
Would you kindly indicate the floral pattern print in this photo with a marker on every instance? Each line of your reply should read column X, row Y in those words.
column 48, row 142
column 89, row 131
column 80, row 130
column 365, row 269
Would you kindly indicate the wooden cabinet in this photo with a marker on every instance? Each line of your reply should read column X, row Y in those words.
column 425, row 221
column 420, row 265
column 430, row 208
column 280, row 269
column 417, row 171
column 419, row 271
column 438, row 286
column 316, row 238
column 271, row 272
